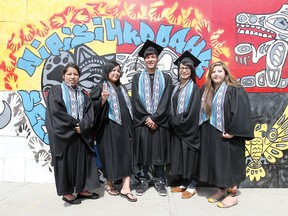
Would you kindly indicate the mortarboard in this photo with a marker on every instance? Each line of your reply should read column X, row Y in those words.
column 187, row 56
column 150, row 47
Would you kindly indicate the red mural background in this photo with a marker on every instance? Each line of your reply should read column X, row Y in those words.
column 217, row 25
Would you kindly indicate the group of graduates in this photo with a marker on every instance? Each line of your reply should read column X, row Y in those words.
column 200, row 133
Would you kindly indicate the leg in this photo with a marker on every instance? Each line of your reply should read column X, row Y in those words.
column 126, row 185
column 144, row 181
column 109, row 187
column 159, row 181
column 126, row 191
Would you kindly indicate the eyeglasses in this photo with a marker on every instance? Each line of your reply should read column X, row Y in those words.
column 184, row 68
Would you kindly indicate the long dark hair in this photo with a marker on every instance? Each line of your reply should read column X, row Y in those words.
column 72, row 65
column 209, row 90
column 107, row 69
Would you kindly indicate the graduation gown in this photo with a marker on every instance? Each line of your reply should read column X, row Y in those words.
column 115, row 141
column 73, row 157
column 185, row 137
column 151, row 145
column 222, row 161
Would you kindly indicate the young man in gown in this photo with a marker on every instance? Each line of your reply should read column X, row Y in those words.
column 151, row 91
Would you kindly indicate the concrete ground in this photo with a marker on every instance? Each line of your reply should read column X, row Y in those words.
column 40, row 199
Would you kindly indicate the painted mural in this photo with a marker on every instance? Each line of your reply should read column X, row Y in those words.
column 250, row 36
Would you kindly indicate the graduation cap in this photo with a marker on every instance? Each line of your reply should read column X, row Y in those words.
column 187, row 57
column 149, row 48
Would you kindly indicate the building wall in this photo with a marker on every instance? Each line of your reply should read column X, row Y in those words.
column 36, row 43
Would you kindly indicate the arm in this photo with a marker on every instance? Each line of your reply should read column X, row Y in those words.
column 100, row 107
column 238, row 119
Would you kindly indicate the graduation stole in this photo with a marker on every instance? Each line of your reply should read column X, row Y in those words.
column 114, row 113
column 184, row 96
column 144, row 91
column 217, row 109
column 73, row 99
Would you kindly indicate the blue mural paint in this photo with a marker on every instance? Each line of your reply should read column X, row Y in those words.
column 35, row 113
column 80, row 35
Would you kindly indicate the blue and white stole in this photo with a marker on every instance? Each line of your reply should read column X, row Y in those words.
column 184, row 96
column 144, row 91
column 73, row 99
column 114, row 113
column 217, row 109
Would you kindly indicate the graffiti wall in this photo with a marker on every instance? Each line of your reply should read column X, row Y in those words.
column 38, row 38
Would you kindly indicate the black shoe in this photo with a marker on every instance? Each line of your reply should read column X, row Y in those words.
column 92, row 196
column 142, row 188
column 160, row 188
column 72, row 202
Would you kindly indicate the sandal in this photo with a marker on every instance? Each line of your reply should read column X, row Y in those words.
column 188, row 193
column 111, row 190
column 129, row 196
column 228, row 202
column 178, row 189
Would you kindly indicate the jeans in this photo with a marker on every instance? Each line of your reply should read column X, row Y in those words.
column 158, row 173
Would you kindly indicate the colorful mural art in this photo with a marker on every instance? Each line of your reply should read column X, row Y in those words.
column 38, row 38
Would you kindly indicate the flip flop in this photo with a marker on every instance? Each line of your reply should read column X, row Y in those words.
column 111, row 191
column 126, row 196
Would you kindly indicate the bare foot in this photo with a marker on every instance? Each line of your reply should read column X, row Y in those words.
column 220, row 194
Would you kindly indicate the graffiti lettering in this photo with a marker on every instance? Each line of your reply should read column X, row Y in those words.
column 82, row 35
column 114, row 31
column 35, row 112
column 29, row 62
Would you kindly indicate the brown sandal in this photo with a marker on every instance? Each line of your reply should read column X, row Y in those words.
column 111, row 190
column 188, row 193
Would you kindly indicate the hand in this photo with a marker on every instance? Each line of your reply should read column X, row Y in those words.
column 151, row 124
column 105, row 95
column 227, row 136
column 77, row 128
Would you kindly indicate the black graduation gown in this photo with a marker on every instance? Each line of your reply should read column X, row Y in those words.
column 185, row 137
column 115, row 142
column 151, row 145
column 222, row 161
column 73, row 157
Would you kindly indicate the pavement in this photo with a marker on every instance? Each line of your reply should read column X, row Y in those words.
column 23, row 199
